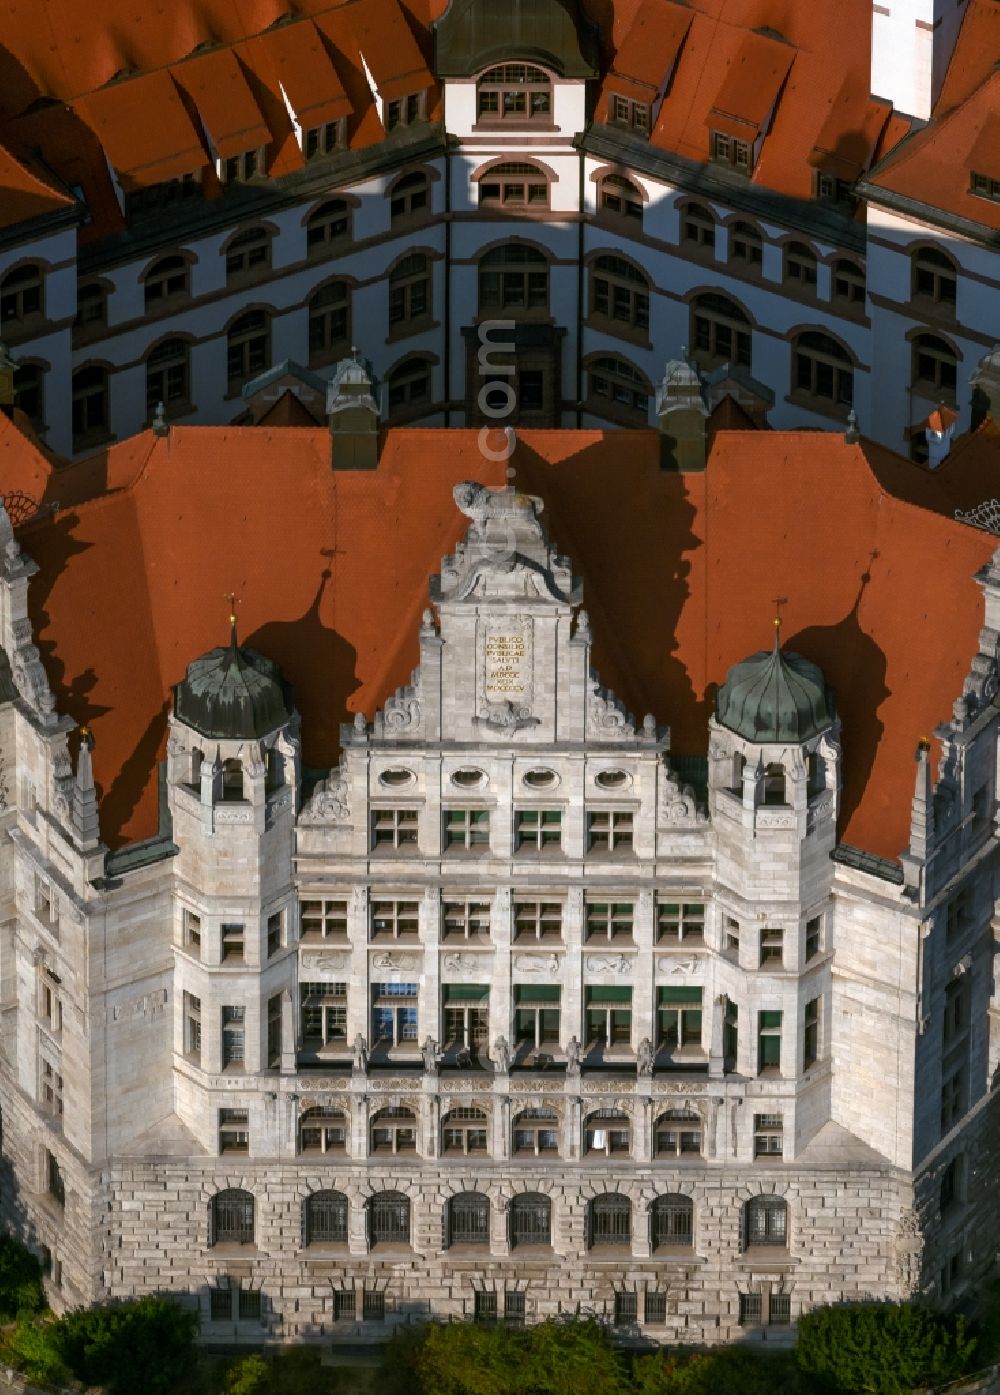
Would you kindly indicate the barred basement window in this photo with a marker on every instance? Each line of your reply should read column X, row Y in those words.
column 607, row 1132
column 935, row 277
column 608, row 1017
column 469, row 1219
column 394, row 828
column 750, row 1309
column 327, row 225
column 232, row 1218
column 626, row 112
column 514, row 92
column 484, row 1305
column 800, row 265
column 514, row 184
column 677, row 1134
column 612, row 922
column 324, row 1013
column 767, row 1136
column 626, row 1308
column 394, row 920
column 388, row 1221
column 514, row 1307
column 326, row 1218
column 234, row 1131
column 698, row 226
column 536, row 1132
column 466, row 829
column 655, row 1308
column 221, row 1309
column 765, row 1222
column 609, row 1221
column 323, row 1129
column 680, row 922
column 609, row 831
column 345, row 1305
column 249, row 1309
column 323, row 920
column 537, row 830
column 768, row 1043
column 780, row 1309
column 192, row 1027
column 616, row 194
column 247, row 253
column 810, row 1034
column 373, row 1305
column 746, row 246
column 232, row 943
column 530, row 1220
column 672, row 1222
column 394, row 1130
column 679, row 1021
column 463, row 1131
column 466, row 920
column 772, row 947
column 323, row 140
column 726, row 150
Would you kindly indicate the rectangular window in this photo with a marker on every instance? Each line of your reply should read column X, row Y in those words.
column 956, row 1010
column 221, row 1304
column 679, row 1020
column 273, row 934
column 393, row 829
column 536, row 1014
column 513, row 1307
column 626, row 1308
column 344, row 1305
column 249, row 1305
column 609, row 831
column 953, row 1095
column 767, row 1136
column 55, row 1185
column 274, row 1031
column 485, row 1306
column 810, row 1034
column 465, row 920
column 655, row 1308
column 951, row 1184
column 726, row 150
column 324, row 1014
column 772, row 948
column 608, row 1016
column 780, row 1309
column 610, row 921
column 732, row 944
column 373, row 1305
column 321, row 140
column 232, row 1036
column 750, row 1309
column 466, row 1015
column 959, row 913
column 680, row 922
column 323, row 920
column 234, row 1131
column 45, row 904
column 237, row 169
column 232, row 944
column 730, row 1035
column 984, row 187
column 394, row 1013
column 192, row 1027
column 625, row 112
column 49, row 1003
column 537, row 830
column 466, row 829
column 192, row 931
column 813, row 929
column 394, row 920
column 538, row 920
column 768, row 1043
column 51, row 1089
column 951, row 1273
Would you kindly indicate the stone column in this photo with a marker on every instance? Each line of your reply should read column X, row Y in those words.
column 644, row 988
column 499, row 1229
column 429, row 990
column 289, row 1035
column 715, row 1051
column 501, row 1014
column 359, row 991
column 571, row 1003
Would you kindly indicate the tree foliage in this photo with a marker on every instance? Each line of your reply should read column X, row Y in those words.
column 744, row 1369
column 143, row 1345
column 882, row 1348
column 250, row 1375
column 20, row 1280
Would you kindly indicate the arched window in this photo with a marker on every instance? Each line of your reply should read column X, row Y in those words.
column 765, row 1222
column 247, row 253
column 29, row 392
column 388, row 1219
column 822, row 368
column 720, row 331
column 677, row 1134
column 166, row 281
column 167, row 376
column 469, row 1219
column 248, row 348
column 619, row 292
column 325, row 1219
column 409, row 385
column 21, row 295
column 514, row 92
column 935, row 278
column 607, row 1133
column 90, row 405
column 409, row 290
column 530, row 1220
column 609, row 1221
column 671, row 1223
column 697, row 227
column 327, row 226
column 536, row 1131
column 618, row 195
column 323, row 1129
column 935, row 367
column 463, row 1131
column 329, row 322
column 394, row 1130
column 514, row 184
column 410, row 195
column 746, row 248
column 614, row 382
column 232, row 1217
column 91, row 306
column 774, row 783
column 513, row 277
column 800, row 265
column 848, row 282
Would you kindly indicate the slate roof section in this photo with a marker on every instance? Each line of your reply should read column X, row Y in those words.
column 332, row 568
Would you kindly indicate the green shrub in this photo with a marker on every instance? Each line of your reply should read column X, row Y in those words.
column 20, row 1280
column 724, row 1371
column 251, row 1375
column 143, row 1345
column 882, row 1348
column 33, row 1347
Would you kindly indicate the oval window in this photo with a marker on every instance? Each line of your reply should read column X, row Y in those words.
column 396, row 777
column 540, row 779
column 468, row 779
column 612, row 779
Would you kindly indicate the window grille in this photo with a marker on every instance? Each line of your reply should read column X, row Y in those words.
column 672, row 1222
column 469, row 1219
column 389, row 1219
column 530, row 1220
column 326, row 1218
column 610, row 1221
column 766, row 1222
column 232, row 1218
column 626, row 1308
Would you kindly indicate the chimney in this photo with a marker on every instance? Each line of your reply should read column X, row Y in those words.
column 986, row 389
column 938, row 431
column 912, row 43
column 682, row 415
column 353, row 415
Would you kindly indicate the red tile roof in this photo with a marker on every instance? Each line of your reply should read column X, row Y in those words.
column 678, row 587
column 142, row 151
column 24, row 195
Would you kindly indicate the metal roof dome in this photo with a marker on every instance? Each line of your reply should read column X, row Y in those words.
column 232, row 694
column 775, row 696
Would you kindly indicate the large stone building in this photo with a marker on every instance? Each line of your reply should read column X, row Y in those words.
column 464, row 991
column 807, row 192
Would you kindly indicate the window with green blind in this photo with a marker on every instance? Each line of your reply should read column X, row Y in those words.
column 768, row 1041
column 467, row 992
column 536, row 1015
column 608, row 1016
column 537, row 993
column 679, row 1017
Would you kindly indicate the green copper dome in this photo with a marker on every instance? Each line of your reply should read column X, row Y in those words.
column 232, row 694
column 775, row 697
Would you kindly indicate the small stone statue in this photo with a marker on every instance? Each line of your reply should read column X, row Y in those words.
column 501, row 1055
column 429, row 1051
column 644, row 1057
column 360, row 1054
column 573, row 1056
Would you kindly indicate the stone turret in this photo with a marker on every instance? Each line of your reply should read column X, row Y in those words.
column 353, row 414
column 682, row 415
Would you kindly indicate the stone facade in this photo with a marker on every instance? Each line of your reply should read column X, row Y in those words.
column 501, row 1016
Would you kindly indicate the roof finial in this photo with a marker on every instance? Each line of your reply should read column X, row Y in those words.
column 511, row 474
column 233, row 602
column 160, row 427
column 778, row 602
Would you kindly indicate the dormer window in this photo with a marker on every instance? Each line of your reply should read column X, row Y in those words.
column 239, row 169
column 727, row 150
column 629, row 113
column 831, row 189
column 404, row 111
column 984, row 187
column 514, row 92
column 325, row 139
